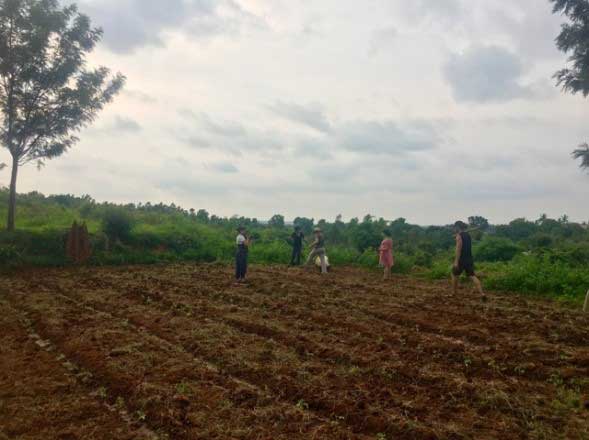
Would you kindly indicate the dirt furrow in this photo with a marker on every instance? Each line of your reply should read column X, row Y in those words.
column 168, row 389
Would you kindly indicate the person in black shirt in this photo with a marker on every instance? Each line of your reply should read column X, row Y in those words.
column 297, row 239
column 464, row 261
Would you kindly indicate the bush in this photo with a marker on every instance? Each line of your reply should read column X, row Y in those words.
column 403, row 264
column 117, row 224
column 276, row 252
column 538, row 275
column 440, row 270
column 9, row 256
column 494, row 249
column 339, row 256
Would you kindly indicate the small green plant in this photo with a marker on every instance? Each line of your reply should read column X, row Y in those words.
column 302, row 405
column 140, row 415
column 467, row 362
column 102, row 393
column 182, row 388
column 120, row 403
column 381, row 436
column 354, row 370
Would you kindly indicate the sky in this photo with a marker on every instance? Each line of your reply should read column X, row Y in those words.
column 431, row 110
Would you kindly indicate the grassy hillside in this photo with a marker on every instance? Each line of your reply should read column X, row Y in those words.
column 545, row 256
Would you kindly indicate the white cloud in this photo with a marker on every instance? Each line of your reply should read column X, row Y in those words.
column 427, row 109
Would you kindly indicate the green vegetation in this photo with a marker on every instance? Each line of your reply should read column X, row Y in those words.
column 546, row 256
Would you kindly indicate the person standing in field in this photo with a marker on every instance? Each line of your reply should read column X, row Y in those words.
column 463, row 260
column 386, row 253
column 297, row 239
column 243, row 242
column 318, row 250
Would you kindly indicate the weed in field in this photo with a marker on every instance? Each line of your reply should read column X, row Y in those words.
column 140, row 415
column 302, row 405
column 381, row 436
column 495, row 367
column 102, row 393
column 182, row 388
column 354, row 370
column 556, row 379
column 120, row 403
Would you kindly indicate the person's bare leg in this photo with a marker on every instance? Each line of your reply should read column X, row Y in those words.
column 479, row 286
column 454, row 284
column 323, row 264
column 310, row 257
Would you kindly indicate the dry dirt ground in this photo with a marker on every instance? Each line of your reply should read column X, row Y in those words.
column 179, row 352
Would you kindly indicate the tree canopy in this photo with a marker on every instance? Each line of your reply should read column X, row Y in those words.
column 47, row 92
column 574, row 40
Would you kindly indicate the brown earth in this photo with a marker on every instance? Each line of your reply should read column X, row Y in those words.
column 180, row 352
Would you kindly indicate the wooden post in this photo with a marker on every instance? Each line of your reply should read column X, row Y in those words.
column 586, row 306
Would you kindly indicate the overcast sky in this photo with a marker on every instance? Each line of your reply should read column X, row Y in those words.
column 430, row 110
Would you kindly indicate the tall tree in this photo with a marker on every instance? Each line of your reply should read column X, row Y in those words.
column 277, row 221
column 47, row 92
column 574, row 40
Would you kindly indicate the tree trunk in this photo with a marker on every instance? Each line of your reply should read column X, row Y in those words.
column 12, row 198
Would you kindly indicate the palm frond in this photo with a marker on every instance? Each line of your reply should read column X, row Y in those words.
column 582, row 153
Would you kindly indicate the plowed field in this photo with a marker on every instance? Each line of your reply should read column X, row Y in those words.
column 180, row 352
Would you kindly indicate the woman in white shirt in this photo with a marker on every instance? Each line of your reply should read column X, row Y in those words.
column 242, row 241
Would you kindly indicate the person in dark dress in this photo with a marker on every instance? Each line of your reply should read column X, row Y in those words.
column 464, row 260
column 297, row 239
column 242, row 241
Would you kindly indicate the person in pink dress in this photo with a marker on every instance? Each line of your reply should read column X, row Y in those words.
column 387, row 260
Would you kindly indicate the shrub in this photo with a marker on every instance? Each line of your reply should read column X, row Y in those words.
column 117, row 224
column 538, row 275
column 440, row 270
column 403, row 264
column 9, row 256
column 496, row 249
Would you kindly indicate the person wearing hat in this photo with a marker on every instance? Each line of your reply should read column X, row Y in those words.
column 318, row 250
column 296, row 240
column 242, row 241
column 463, row 260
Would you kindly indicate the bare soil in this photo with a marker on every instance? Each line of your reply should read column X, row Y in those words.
column 181, row 352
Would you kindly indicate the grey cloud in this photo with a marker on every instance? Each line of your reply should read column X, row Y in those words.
column 132, row 24
column 198, row 142
column 502, row 191
column 222, row 128
column 381, row 38
column 118, row 125
column 228, row 136
column 223, row 167
column 126, row 125
column 311, row 115
column 433, row 10
column 388, row 137
column 333, row 173
column 486, row 74
column 530, row 25
column 312, row 147
column 140, row 96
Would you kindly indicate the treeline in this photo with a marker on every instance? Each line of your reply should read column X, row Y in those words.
column 555, row 252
